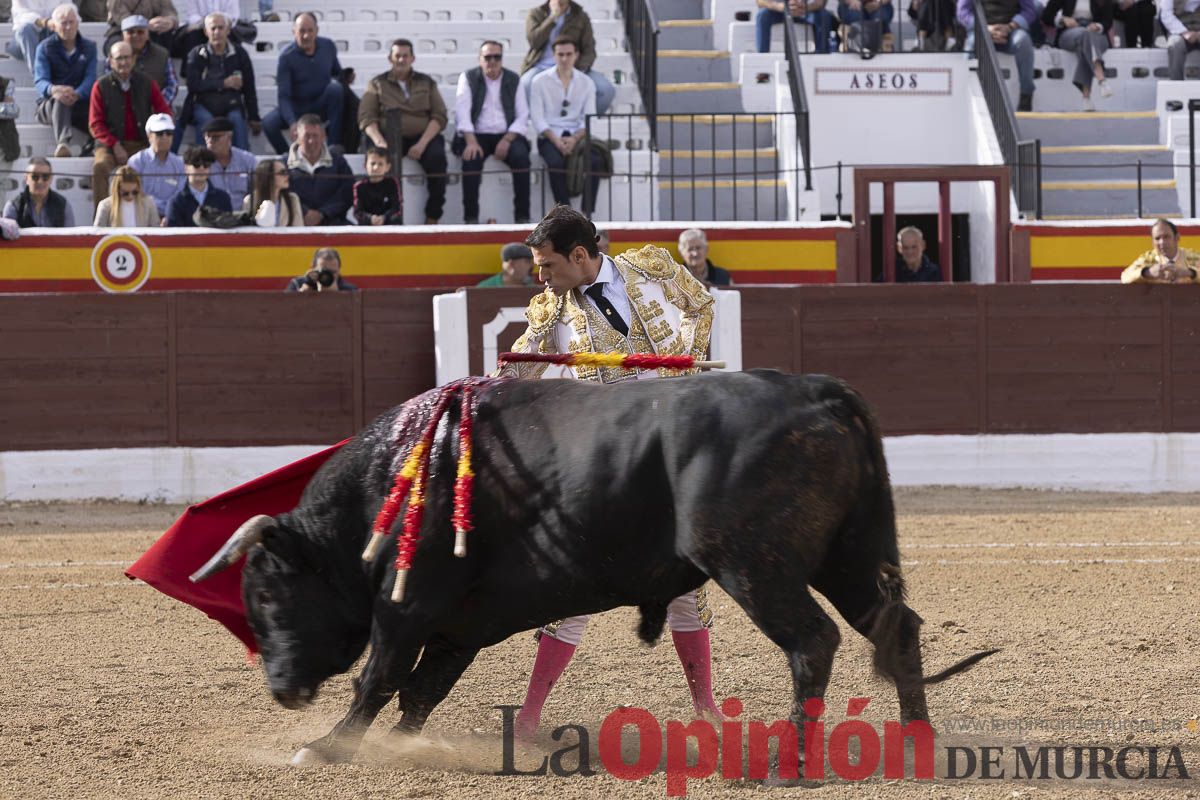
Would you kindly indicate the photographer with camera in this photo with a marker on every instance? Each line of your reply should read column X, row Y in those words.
column 325, row 275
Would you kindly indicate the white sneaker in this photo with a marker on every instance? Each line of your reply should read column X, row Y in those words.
column 1105, row 89
column 62, row 151
column 1088, row 105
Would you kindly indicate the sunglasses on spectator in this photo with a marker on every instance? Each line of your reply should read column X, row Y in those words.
column 566, row 104
column 40, row 176
column 493, row 57
column 129, row 194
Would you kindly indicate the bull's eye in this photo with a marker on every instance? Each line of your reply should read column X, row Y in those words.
column 263, row 597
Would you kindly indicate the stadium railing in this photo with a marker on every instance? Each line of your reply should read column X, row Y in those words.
column 799, row 97
column 1022, row 158
column 641, row 29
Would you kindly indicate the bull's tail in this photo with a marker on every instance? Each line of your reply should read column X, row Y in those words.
column 961, row 666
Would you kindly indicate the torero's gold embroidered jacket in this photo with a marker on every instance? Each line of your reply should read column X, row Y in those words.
column 1185, row 257
column 671, row 314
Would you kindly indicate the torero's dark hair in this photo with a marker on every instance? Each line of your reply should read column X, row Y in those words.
column 565, row 229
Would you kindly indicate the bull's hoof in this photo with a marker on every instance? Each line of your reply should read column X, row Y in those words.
column 308, row 757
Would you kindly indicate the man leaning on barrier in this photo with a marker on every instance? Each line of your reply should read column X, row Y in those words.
column 1166, row 262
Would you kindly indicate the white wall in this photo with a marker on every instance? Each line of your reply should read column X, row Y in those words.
column 1132, row 462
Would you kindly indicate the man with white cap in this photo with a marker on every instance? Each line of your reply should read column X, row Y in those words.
column 150, row 59
column 161, row 169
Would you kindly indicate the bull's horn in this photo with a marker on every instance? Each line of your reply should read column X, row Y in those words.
column 245, row 537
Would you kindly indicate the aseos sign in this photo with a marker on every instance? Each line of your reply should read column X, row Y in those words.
column 861, row 81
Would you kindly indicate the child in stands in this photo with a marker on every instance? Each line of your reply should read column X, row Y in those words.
column 378, row 199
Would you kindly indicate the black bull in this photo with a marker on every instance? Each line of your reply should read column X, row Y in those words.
column 589, row 497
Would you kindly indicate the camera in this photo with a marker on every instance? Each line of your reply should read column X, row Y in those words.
column 320, row 277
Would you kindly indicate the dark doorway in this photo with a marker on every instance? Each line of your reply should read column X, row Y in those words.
column 960, row 242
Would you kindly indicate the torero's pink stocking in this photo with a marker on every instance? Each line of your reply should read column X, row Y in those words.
column 552, row 658
column 695, row 654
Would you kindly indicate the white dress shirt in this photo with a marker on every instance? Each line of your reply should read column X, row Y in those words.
column 27, row 12
column 1166, row 15
column 613, row 289
column 491, row 116
column 547, row 98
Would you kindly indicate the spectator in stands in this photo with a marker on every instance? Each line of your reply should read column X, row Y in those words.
column 32, row 21
column 693, row 249
column 272, row 202
column 308, row 82
column 135, row 208
column 232, row 170
column 1083, row 29
column 39, row 206
column 852, row 12
column 561, row 98
column 491, row 116
column 770, row 14
column 325, row 275
column 220, row 81
column 196, row 192
column 121, row 105
column 1181, row 20
column 378, row 200
column 149, row 58
column 912, row 263
column 1009, row 23
column 64, row 73
column 935, row 24
column 602, row 240
column 160, row 169
column 322, row 180
column 563, row 19
column 1139, row 17
column 1167, row 262
column 192, row 32
column 10, row 140
column 160, row 15
column 516, row 267
column 422, row 119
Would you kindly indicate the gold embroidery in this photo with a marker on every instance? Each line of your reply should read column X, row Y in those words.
column 703, row 609
column 650, row 262
column 654, row 309
column 544, row 311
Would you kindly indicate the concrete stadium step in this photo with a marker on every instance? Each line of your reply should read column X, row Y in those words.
column 682, row 66
column 721, row 163
column 680, row 9
column 1087, row 128
column 387, row 10
column 742, row 199
column 1113, row 162
column 1109, row 198
column 716, row 97
column 685, row 34
column 679, row 131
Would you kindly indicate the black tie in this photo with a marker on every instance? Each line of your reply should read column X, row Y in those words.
column 596, row 292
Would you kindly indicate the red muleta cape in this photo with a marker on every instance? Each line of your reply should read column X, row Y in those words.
column 204, row 527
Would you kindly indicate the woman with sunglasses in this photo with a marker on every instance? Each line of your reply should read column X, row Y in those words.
column 133, row 207
column 39, row 206
column 271, row 201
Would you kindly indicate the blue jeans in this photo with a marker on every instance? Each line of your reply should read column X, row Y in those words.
column 1020, row 46
column 604, row 88
column 25, row 41
column 241, row 130
column 884, row 14
column 821, row 22
column 328, row 106
column 265, row 7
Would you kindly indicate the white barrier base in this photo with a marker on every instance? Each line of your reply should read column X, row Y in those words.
column 1134, row 462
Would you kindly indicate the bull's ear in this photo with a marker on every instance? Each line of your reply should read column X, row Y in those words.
column 249, row 534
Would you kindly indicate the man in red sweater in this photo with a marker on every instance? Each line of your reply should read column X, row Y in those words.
column 121, row 103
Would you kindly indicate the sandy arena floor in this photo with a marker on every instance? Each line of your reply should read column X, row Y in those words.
column 115, row 691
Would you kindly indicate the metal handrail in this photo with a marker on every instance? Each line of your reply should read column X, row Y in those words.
column 641, row 32
column 799, row 98
column 1022, row 157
